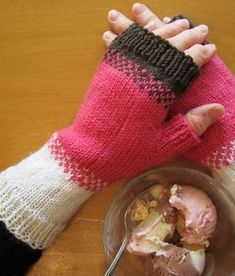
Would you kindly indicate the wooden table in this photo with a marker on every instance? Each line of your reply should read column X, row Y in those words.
column 48, row 54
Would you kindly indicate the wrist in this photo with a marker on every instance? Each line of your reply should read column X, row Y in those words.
column 38, row 199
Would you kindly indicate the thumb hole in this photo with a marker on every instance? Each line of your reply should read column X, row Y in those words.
column 202, row 117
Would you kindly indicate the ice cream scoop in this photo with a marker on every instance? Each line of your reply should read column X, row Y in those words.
column 150, row 234
column 174, row 260
column 149, row 239
column 197, row 214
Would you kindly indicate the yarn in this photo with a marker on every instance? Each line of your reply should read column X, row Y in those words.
column 216, row 84
column 119, row 132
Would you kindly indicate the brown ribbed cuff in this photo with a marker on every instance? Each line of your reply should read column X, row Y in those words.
column 158, row 56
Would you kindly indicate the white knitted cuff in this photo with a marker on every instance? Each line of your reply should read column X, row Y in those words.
column 37, row 199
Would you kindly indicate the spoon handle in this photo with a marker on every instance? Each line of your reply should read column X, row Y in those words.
column 117, row 258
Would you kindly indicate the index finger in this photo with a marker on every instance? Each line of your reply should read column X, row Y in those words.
column 144, row 16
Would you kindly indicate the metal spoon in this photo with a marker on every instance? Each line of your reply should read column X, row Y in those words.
column 128, row 228
column 117, row 258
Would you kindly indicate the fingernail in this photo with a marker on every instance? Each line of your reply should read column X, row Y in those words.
column 139, row 8
column 113, row 15
column 181, row 22
column 166, row 19
column 107, row 35
column 219, row 110
column 202, row 28
column 214, row 111
column 211, row 47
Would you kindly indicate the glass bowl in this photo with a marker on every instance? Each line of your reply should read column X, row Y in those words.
column 220, row 255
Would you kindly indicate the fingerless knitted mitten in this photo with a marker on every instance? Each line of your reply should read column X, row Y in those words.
column 119, row 132
column 216, row 84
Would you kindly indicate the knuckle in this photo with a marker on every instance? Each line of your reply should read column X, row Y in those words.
column 197, row 123
column 167, row 32
column 195, row 35
column 183, row 28
column 151, row 26
column 202, row 53
column 122, row 26
column 150, row 17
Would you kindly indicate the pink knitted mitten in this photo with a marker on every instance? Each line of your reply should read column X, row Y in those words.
column 120, row 129
column 119, row 132
column 216, row 84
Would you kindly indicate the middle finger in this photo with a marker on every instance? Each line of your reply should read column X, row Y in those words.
column 172, row 29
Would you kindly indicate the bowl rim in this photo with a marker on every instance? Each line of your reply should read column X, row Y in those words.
column 133, row 182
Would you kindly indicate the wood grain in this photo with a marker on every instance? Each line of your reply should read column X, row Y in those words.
column 48, row 54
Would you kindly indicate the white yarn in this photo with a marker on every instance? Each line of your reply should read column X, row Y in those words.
column 226, row 174
column 37, row 199
column 226, row 153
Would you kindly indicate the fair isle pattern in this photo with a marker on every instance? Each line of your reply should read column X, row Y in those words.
column 166, row 62
column 155, row 89
column 118, row 131
column 82, row 176
column 215, row 85
column 222, row 157
column 117, row 134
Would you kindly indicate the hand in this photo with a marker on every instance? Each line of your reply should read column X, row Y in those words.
column 177, row 32
column 183, row 38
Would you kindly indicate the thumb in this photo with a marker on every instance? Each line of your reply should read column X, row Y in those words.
column 202, row 117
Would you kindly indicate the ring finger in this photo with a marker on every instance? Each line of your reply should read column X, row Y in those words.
column 172, row 29
column 188, row 38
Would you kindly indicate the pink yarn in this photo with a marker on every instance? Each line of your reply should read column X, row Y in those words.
column 120, row 130
column 215, row 85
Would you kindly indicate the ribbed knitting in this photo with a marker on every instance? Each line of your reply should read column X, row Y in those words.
column 120, row 129
column 37, row 199
column 119, row 132
column 158, row 56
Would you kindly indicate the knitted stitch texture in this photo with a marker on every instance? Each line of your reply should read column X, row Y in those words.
column 120, row 129
column 119, row 132
column 37, row 199
column 216, row 84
